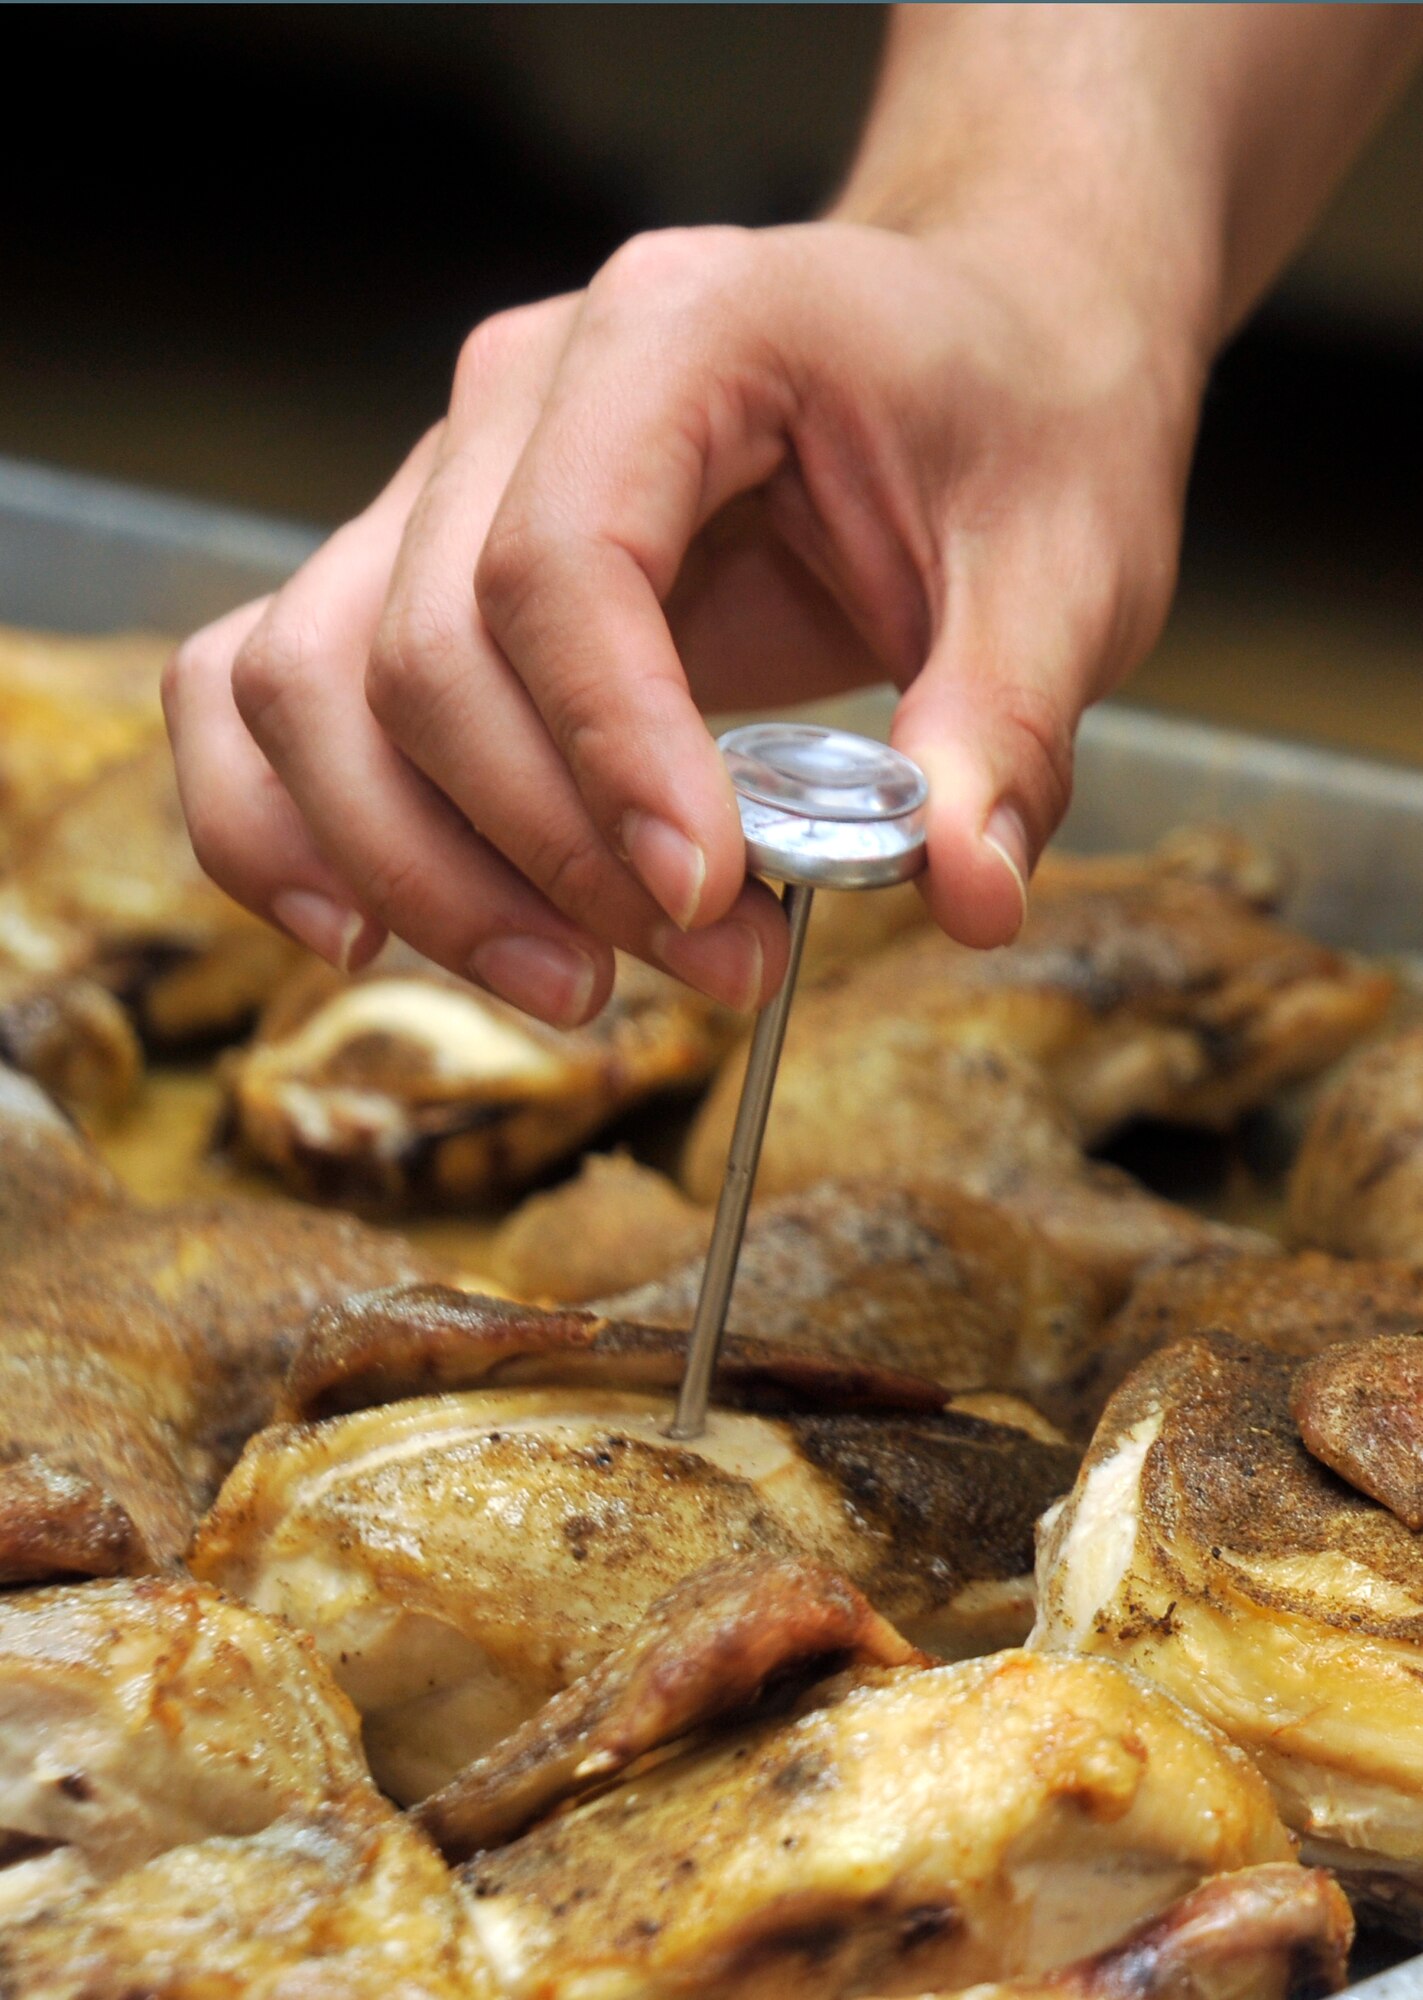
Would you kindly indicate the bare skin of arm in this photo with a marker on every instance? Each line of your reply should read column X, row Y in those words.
column 940, row 436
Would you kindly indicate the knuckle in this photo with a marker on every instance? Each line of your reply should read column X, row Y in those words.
column 393, row 882
column 281, row 657
column 676, row 262
column 488, row 348
column 572, row 872
column 411, row 661
column 514, row 566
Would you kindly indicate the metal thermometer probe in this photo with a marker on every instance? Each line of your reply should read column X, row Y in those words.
column 819, row 807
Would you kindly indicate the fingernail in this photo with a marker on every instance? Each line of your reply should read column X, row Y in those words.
column 334, row 931
column 537, row 975
column 669, row 866
column 727, row 962
column 1007, row 835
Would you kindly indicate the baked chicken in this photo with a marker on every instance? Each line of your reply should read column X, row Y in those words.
column 70, row 707
column 1298, row 1304
column 140, row 1347
column 459, row 1555
column 184, row 1812
column 108, row 885
column 1159, row 996
column 1206, row 1546
column 908, row 1831
column 936, row 1282
column 406, row 1086
column 1357, row 1182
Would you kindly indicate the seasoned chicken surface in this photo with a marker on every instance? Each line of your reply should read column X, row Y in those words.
column 140, row 1347
column 459, row 1557
column 108, row 885
column 184, row 1811
column 615, row 1224
column 905, row 1831
column 139, row 1715
column 1357, row 1182
column 70, row 707
column 1203, row 1544
column 1298, row 1305
column 73, row 1037
column 935, row 1282
column 404, row 1085
column 344, row 1903
column 1360, row 1411
column 1163, row 996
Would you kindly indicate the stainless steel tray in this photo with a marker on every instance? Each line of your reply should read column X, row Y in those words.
column 84, row 555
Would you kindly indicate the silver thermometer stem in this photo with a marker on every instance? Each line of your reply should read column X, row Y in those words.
column 709, row 1324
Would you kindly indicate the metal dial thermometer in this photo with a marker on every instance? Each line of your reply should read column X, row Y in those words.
column 819, row 807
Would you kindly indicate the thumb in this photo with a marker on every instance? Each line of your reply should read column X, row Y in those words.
column 992, row 719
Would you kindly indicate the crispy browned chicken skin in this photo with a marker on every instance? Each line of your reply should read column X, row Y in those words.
column 1357, row 1183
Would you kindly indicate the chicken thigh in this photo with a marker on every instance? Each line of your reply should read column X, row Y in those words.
column 460, row 1556
column 1357, row 1182
column 1203, row 1544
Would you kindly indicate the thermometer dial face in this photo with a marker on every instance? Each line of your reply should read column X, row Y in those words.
column 823, row 807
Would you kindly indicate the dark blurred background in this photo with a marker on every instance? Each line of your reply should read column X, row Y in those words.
column 240, row 259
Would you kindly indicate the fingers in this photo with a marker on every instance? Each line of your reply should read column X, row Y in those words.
column 245, row 828
column 659, row 412
column 447, row 697
column 1030, row 632
column 410, row 859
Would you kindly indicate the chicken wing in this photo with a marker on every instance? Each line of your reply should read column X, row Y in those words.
column 936, row 1282
column 1203, row 1544
column 907, row 1831
column 460, row 1556
column 405, row 1085
column 1357, row 1182
column 108, row 885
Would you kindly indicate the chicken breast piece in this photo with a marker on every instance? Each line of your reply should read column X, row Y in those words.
column 139, row 1715
column 460, row 1557
column 905, row 1832
column 1167, row 997
column 108, row 885
column 933, row 1281
column 406, row 1086
column 1357, row 1182
column 1204, row 1545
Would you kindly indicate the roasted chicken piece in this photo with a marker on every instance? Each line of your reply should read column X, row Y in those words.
column 138, row 1715
column 405, row 1085
column 1296, row 1305
column 1203, row 1544
column 614, row 1224
column 460, row 1556
column 70, row 707
column 108, row 885
column 73, row 1037
column 139, row 1347
column 1162, row 995
column 184, row 1812
column 1357, row 1182
column 1360, row 1411
column 936, row 1282
column 910, row 1831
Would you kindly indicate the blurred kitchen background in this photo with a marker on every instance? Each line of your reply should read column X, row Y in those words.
column 240, row 259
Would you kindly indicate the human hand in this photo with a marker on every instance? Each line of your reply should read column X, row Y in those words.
column 740, row 469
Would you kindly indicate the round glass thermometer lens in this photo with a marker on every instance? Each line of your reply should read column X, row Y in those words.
column 821, row 773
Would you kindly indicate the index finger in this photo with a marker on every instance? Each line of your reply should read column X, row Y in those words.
column 656, row 418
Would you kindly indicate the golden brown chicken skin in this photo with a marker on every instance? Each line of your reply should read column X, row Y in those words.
column 933, row 1281
column 460, row 1556
column 1203, row 1544
column 904, row 1832
column 404, row 1086
column 1357, row 1183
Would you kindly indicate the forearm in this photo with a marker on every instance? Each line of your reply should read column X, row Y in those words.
column 1180, row 151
